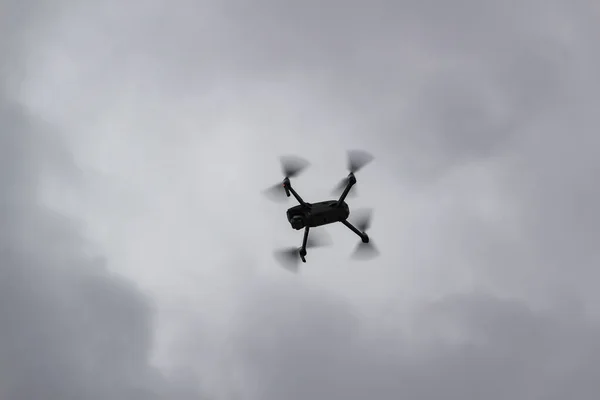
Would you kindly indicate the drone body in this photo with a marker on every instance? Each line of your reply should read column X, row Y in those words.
column 317, row 214
column 312, row 215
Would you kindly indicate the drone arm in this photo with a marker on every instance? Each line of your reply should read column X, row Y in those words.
column 304, row 242
column 297, row 196
column 351, row 182
column 288, row 189
column 362, row 235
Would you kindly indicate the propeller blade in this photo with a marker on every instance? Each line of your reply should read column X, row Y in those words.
column 339, row 189
column 318, row 238
column 362, row 218
column 289, row 258
column 275, row 193
column 292, row 166
column 357, row 159
column 365, row 251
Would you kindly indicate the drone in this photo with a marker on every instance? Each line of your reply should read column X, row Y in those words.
column 312, row 215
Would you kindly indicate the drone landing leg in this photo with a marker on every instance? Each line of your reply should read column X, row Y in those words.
column 363, row 236
column 304, row 241
column 351, row 182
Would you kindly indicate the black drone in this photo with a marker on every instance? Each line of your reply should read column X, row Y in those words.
column 312, row 215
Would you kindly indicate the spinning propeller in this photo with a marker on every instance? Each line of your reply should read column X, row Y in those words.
column 289, row 257
column 362, row 221
column 291, row 166
column 357, row 159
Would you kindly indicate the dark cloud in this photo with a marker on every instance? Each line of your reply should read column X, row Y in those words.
column 462, row 346
column 474, row 74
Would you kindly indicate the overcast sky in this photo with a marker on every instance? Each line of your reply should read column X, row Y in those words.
column 136, row 248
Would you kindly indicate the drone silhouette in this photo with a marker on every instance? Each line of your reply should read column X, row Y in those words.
column 311, row 215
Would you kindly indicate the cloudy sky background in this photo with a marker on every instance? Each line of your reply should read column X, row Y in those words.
column 136, row 248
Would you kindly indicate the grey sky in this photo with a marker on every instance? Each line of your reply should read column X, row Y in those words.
column 133, row 130
column 69, row 328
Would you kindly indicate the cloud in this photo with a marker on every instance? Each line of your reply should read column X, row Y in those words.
column 69, row 329
column 469, row 345
column 482, row 117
